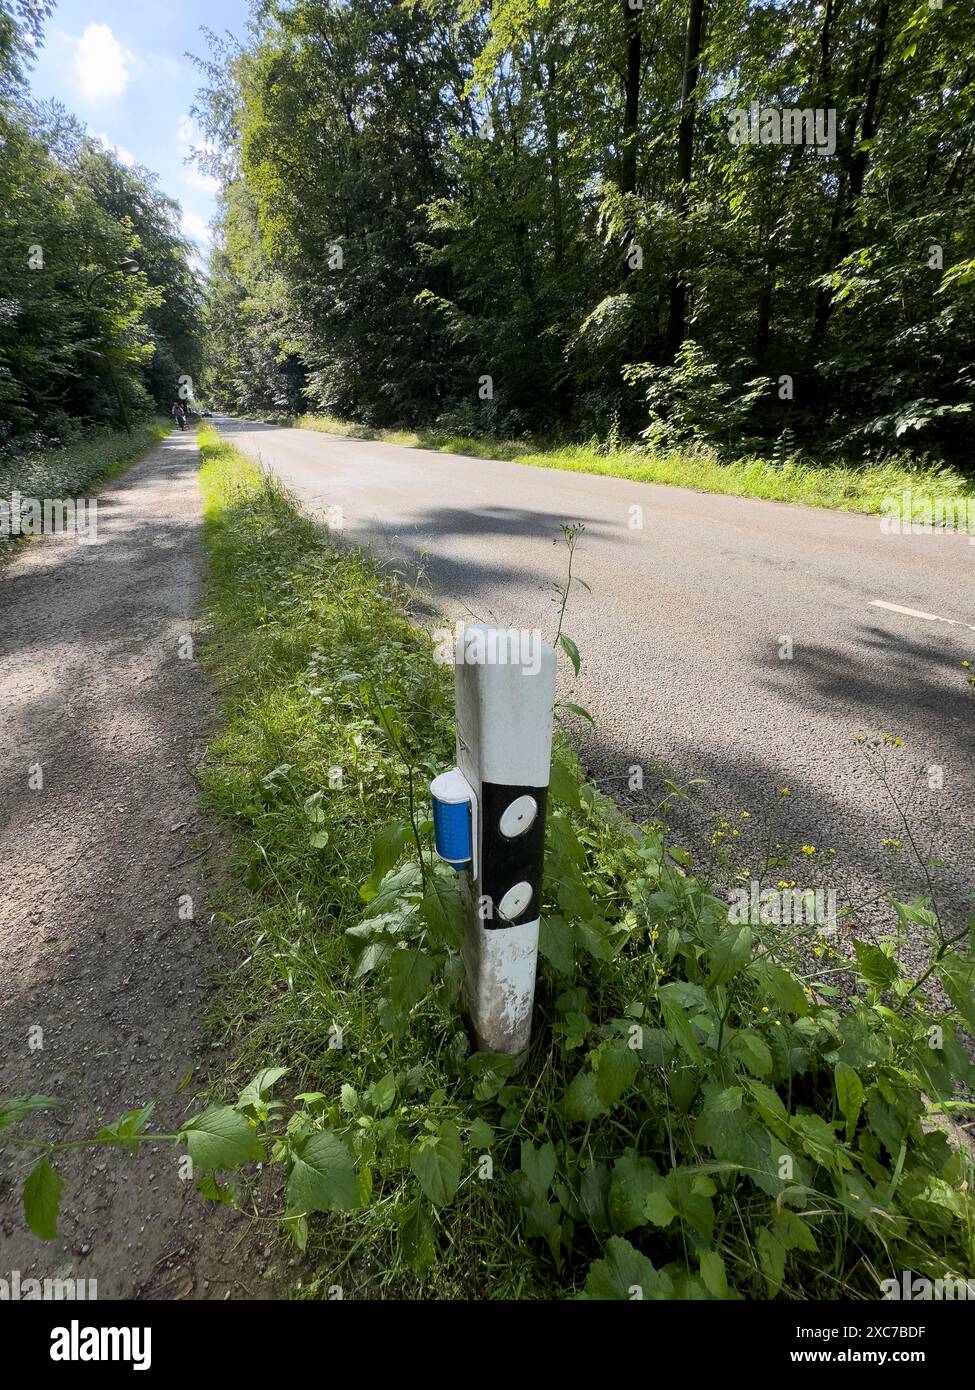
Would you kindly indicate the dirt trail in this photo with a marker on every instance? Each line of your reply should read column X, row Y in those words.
column 93, row 867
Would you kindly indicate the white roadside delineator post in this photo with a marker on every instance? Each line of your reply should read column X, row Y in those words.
column 505, row 694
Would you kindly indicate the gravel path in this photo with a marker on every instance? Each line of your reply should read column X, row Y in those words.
column 95, row 960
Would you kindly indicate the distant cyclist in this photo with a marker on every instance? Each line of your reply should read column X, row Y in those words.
column 179, row 414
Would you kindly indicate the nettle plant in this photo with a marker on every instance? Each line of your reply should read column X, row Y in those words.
column 694, row 1111
column 696, row 1117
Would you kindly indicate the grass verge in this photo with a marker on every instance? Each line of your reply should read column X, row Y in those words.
column 95, row 458
column 846, row 488
column 697, row 1116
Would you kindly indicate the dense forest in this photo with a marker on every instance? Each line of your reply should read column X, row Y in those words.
column 99, row 308
column 747, row 223
column 742, row 224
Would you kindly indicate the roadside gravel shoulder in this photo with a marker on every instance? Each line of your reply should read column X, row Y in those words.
column 100, row 690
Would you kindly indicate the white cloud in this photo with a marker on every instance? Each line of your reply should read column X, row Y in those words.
column 205, row 182
column 101, row 64
column 196, row 229
column 121, row 153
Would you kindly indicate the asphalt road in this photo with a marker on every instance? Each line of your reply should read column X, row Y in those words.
column 681, row 637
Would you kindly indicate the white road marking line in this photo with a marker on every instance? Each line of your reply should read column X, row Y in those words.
column 916, row 613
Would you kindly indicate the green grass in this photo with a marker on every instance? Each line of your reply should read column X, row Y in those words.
column 847, row 488
column 91, row 460
column 609, row 1165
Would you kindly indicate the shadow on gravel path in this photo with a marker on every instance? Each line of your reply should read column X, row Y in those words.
column 93, row 952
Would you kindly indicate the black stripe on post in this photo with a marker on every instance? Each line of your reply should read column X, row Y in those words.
column 505, row 862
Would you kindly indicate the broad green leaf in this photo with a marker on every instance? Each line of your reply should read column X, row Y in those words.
column 563, row 787
column 752, row 1049
column 393, row 890
column 574, row 897
column 442, row 909
column 794, row 1233
column 410, row 975
column 957, row 974
column 771, row 1109
column 297, row 1228
column 679, row 1025
column 625, row 1274
column 876, row 967
column 374, row 954
column 771, row 1259
column 713, row 1273
column 490, row 1070
column 581, row 1101
column 542, row 1219
column 565, row 847
column 634, row 1181
column 127, row 1130
column 693, row 998
column 383, row 1093
column 730, row 953
column 657, row 1206
column 658, row 1047
column 437, row 1160
column 594, row 1186
column 689, row 1192
column 683, row 1084
column 257, row 1089
column 556, row 944
column 616, row 1066
column 917, row 912
column 220, row 1137
column 480, row 1135
column 783, row 987
column 42, row 1198
column 849, row 1095
column 538, row 1165
column 388, row 844
column 819, row 1140
column 208, row 1187
column 323, row 1175
column 592, row 938
column 14, row 1108
column 861, row 1044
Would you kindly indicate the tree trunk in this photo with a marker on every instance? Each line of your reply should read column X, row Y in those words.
column 677, row 323
column 857, row 158
column 632, row 20
column 550, row 110
column 631, row 92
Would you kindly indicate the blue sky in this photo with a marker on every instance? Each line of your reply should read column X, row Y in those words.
column 119, row 65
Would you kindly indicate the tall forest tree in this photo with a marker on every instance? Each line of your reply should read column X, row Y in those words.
column 535, row 216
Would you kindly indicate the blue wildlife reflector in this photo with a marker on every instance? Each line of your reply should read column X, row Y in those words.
column 452, row 818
